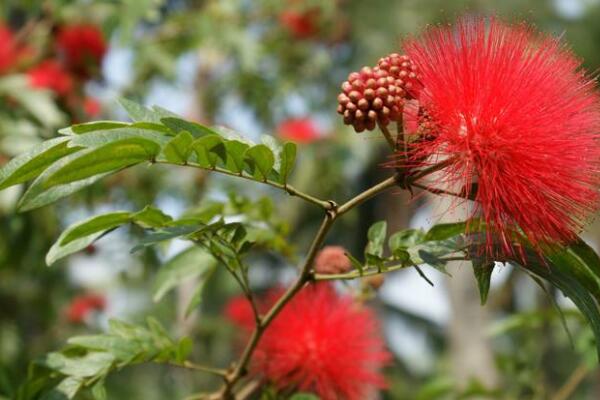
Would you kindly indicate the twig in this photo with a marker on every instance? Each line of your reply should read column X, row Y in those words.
column 367, row 194
column 198, row 367
column 292, row 191
column 565, row 392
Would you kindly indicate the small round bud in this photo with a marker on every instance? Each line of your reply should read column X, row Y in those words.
column 375, row 281
column 376, row 95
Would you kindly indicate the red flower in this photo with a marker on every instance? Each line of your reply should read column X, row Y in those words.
column 301, row 24
column 514, row 114
column 92, row 107
column 239, row 311
column 10, row 51
column 83, row 47
column 51, row 75
column 82, row 306
column 300, row 130
column 332, row 260
column 324, row 343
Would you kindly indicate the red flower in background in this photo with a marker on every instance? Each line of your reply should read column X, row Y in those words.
column 10, row 51
column 83, row 47
column 239, row 311
column 92, row 107
column 301, row 24
column 321, row 342
column 50, row 74
column 299, row 130
column 514, row 114
column 82, row 306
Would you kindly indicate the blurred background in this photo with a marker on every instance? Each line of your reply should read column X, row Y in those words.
column 257, row 67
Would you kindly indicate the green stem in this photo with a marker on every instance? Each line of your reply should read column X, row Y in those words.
column 357, row 274
column 203, row 368
column 292, row 191
column 388, row 136
column 367, row 194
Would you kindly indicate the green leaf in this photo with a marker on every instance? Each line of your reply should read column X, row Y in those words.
column 32, row 163
column 88, row 365
column 138, row 112
column 483, row 275
column 184, row 349
column 191, row 263
column 92, row 126
column 151, row 217
column 178, row 149
column 36, row 196
column 261, row 157
column 66, row 389
column 376, row 236
column 108, row 158
column 570, row 286
column 288, row 159
column 208, row 150
column 402, row 240
column 196, row 299
column 100, row 223
column 446, row 231
column 167, row 233
column 103, row 137
column 579, row 260
column 357, row 264
column 304, row 396
column 75, row 171
column 178, row 125
column 80, row 235
column 236, row 153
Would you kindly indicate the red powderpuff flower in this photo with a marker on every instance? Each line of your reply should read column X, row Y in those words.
column 301, row 24
column 332, row 260
column 514, row 114
column 83, row 47
column 51, row 75
column 10, row 51
column 323, row 343
column 82, row 306
column 299, row 130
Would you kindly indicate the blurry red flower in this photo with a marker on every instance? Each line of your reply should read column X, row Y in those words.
column 92, row 107
column 301, row 24
column 514, row 114
column 332, row 260
column 83, row 47
column 82, row 306
column 324, row 343
column 50, row 74
column 299, row 130
column 10, row 51
column 239, row 311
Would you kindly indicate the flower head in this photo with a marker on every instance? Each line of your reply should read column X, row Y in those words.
column 83, row 47
column 50, row 74
column 300, row 130
column 323, row 343
column 83, row 306
column 332, row 260
column 512, row 113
